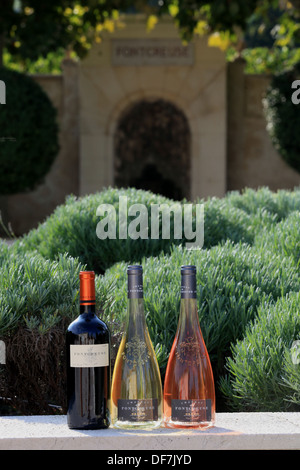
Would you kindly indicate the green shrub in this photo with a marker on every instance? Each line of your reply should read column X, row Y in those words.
column 72, row 226
column 283, row 117
column 36, row 293
column 283, row 238
column 223, row 221
column 249, row 262
column 260, row 368
column 274, row 206
column 291, row 373
column 232, row 279
column 38, row 299
column 72, row 229
column 29, row 131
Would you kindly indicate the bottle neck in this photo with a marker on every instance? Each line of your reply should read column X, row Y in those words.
column 135, row 315
column 188, row 304
column 87, row 292
column 188, row 313
column 87, row 309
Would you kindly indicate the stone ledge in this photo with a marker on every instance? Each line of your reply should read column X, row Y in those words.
column 233, row 431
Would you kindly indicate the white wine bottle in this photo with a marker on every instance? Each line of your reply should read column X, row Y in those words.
column 136, row 396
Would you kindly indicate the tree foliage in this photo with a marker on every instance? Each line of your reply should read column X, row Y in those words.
column 33, row 28
column 29, row 134
column 283, row 117
column 271, row 41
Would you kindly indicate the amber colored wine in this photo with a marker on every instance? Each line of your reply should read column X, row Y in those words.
column 189, row 392
column 88, row 363
column 136, row 384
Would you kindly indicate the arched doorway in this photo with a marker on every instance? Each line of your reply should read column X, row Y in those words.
column 152, row 149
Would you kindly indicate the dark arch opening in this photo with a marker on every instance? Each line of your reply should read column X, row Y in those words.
column 152, row 149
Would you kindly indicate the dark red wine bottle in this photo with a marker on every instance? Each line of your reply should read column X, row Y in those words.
column 88, row 363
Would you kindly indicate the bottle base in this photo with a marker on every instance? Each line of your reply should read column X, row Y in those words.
column 137, row 425
column 184, row 425
column 88, row 427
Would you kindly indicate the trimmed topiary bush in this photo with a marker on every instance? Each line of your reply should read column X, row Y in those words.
column 283, row 117
column 28, row 134
column 72, row 229
column 268, row 206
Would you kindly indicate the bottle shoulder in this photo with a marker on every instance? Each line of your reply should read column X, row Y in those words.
column 87, row 322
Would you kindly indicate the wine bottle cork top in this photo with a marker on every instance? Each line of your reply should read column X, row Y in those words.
column 188, row 269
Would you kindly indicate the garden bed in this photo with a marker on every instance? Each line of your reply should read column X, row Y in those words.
column 248, row 286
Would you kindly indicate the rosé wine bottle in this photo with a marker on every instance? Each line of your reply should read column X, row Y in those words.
column 189, row 391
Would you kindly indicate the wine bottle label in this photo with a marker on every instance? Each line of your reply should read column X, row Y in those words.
column 135, row 282
column 138, row 410
column 135, row 289
column 188, row 286
column 188, row 411
column 91, row 355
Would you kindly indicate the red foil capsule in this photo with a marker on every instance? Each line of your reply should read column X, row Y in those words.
column 87, row 287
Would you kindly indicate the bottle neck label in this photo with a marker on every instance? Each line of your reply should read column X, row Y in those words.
column 188, row 286
column 135, row 286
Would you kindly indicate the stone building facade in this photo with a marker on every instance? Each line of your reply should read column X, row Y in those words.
column 142, row 109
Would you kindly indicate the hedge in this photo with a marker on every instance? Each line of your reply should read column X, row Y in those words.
column 263, row 374
column 72, row 228
column 283, row 238
column 232, row 279
column 38, row 299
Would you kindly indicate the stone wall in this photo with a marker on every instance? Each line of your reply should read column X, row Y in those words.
column 25, row 210
column 133, row 66
column 251, row 159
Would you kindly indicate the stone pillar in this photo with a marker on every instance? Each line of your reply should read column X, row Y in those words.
column 70, row 124
column 235, row 118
